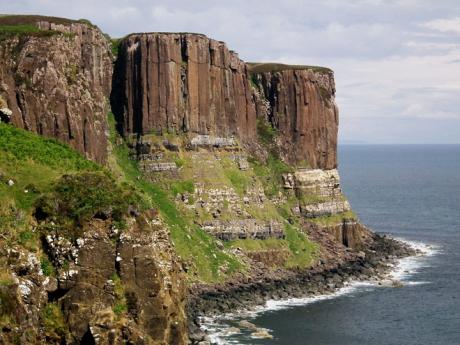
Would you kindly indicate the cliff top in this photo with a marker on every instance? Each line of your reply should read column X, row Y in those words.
column 28, row 24
column 13, row 19
column 166, row 33
column 264, row 67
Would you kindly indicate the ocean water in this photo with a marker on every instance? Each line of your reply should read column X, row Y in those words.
column 411, row 192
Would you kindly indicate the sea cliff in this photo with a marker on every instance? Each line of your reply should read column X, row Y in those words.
column 151, row 179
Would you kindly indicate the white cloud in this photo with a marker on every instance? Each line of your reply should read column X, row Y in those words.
column 451, row 25
column 396, row 61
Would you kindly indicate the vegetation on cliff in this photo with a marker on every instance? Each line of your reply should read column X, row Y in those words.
column 211, row 184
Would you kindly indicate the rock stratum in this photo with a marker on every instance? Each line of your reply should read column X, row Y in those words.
column 212, row 186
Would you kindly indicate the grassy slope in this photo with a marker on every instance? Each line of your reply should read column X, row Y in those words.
column 194, row 245
column 222, row 172
column 18, row 25
column 33, row 164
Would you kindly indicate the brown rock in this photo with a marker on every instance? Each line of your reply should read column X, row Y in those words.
column 182, row 83
column 303, row 110
column 56, row 82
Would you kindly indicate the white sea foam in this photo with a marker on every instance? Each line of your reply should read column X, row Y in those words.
column 402, row 271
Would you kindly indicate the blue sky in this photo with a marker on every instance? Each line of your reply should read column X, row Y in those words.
column 396, row 62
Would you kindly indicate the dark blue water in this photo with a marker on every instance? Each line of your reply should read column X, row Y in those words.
column 412, row 192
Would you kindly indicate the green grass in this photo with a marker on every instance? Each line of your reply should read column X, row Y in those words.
column 303, row 250
column 47, row 267
column 238, row 179
column 34, row 164
column 265, row 67
column 13, row 19
column 115, row 46
column 335, row 218
column 19, row 29
column 308, row 199
column 181, row 187
column 23, row 146
column 270, row 173
column 120, row 306
column 250, row 245
column 79, row 197
column 53, row 321
column 266, row 133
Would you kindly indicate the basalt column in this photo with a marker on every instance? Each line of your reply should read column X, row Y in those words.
column 181, row 83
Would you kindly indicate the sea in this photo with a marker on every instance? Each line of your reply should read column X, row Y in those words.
column 411, row 192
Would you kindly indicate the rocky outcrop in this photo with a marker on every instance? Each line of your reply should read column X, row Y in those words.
column 302, row 110
column 182, row 82
column 111, row 286
column 318, row 192
column 134, row 271
column 243, row 229
column 347, row 231
column 56, row 80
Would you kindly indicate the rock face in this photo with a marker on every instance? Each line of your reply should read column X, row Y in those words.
column 56, row 82
column 181, row 83
column 318, row 191
column 190, row 83
column 243, row 229
column 114, row 288
column 303, row 110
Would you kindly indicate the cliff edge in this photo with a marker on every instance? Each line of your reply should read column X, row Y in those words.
column 200, row 183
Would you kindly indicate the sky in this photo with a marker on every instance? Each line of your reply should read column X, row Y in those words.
column 396, row 62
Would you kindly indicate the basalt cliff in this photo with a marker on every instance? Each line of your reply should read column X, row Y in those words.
column 148, row 180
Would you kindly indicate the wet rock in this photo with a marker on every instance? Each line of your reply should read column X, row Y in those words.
column 261, row 333
column 247, row 325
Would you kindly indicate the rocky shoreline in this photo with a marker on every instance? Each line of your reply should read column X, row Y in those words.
column 245, row 293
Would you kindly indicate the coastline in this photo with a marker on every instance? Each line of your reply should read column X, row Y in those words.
column 383, row 264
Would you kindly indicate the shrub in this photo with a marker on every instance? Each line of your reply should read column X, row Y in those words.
column 79, row 197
